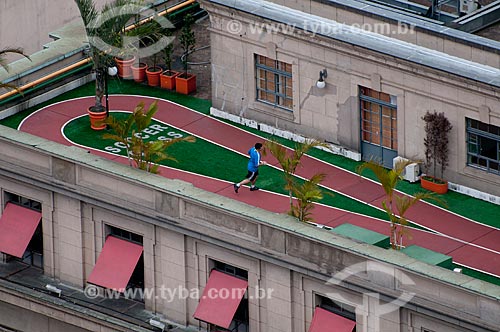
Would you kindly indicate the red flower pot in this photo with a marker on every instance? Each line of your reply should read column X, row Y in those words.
column 434, row 184
column 97, row 118
column 185, row 84
column 153, row 74
column 167, row 79
column 139, row 72
column 124, row 67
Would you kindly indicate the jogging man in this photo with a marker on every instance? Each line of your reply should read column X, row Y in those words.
column 253, row 168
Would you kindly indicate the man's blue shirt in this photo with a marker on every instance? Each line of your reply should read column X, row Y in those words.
column 253, row 163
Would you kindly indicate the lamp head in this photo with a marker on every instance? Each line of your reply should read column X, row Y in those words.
column 112, row 71
column 320, row 84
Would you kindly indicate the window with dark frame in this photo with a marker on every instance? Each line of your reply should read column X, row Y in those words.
column 274, row 82
column 483, row 146
column 336, row 307
column 34, row 252
column 137, row 279
column 240, row 319
column 378, row 118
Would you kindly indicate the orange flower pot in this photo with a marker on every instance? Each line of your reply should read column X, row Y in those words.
column 434, row 184
column 185, row 85
column 139, row 72
column 167, row 79
column 153, row 74
column 97, row 118
column 124, row 67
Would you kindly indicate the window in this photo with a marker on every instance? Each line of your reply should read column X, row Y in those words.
column 33, row 254
column 240, row 319
column 137, row 278
column 336, row 307
column 25, row 202
column 483, row 146
column 274, row 82
column 378, row 118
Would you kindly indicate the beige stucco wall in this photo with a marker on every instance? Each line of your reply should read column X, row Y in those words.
column 332, row 114
column 184, row 229
column 27, row 24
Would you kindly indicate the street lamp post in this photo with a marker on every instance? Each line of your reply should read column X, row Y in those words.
column 112, row 71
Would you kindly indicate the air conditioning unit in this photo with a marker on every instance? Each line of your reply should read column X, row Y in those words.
column 411, row 172
column 468, row 6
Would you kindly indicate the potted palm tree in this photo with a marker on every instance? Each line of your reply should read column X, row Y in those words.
column 142, row 153
column 106, row 30
column 395, row 205
column 185, row 82
column 167, row 77
column 306, row 193
column 436, row 141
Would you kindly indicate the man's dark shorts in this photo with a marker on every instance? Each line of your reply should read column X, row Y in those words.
column 252, row 175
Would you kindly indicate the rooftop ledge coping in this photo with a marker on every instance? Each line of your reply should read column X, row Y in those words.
column 279, row 221
column 365, row 39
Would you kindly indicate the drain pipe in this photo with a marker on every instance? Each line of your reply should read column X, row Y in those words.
column 45, row 78
column 164, row 12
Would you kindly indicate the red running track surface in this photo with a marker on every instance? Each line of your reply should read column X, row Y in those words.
column 468, row 242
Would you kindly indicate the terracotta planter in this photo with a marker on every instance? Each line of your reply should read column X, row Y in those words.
column 439, row 187
column 167, row 79
column 97, row 118
column 124, row 67
column 139, row 72
column 185, row 85
column 153, row 76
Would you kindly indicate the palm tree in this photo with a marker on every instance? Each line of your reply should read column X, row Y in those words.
column 395, row 205
column 306, row 193
column 142, row 154
column 3, row 64
column 106, row 31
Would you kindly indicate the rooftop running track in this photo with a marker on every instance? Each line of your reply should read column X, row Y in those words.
column 471, row 244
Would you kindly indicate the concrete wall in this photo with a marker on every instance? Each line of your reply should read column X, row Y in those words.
column 184, row 229
column 22, row 319
column 332, row 113
column 27, row 24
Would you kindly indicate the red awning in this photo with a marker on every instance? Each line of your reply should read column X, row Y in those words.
column 17, row 226
column 221, row 297
column 115, row 264
column 324, row 320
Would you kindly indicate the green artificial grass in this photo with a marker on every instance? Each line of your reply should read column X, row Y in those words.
column 469, row 207
column 205, row 158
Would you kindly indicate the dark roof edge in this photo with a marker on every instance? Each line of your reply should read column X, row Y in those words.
column 420, row 23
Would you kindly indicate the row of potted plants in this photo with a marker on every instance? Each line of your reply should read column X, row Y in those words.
column 183, row 82
column 156, row 76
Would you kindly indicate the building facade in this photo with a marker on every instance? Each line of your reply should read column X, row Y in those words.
column 85, row 223
column 381, row 72
column 80, row 226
